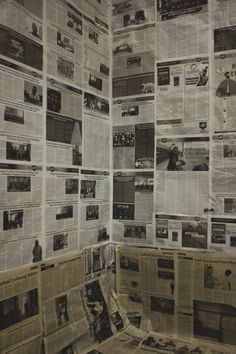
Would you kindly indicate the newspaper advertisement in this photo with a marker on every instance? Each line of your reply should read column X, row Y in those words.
column 94, row 207
column 193, row 295
column 225, row 92
column 182, row 97
column 20, row 319
column 223, row 185
column 22, row 43
column 133, row 146
column 133, row 196
column 182, row 166
column 180, row 231
column 222, row 234
column 62, row 185
column 182, row 28
column 64, row 124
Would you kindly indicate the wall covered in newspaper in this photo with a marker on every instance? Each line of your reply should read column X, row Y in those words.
column 117, row 125
column 55, row 74
column 174, row 123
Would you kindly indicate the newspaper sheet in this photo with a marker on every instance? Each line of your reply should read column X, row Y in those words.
column 182, row 28
column 225, row 91
column 132, row 14
column 62, row 186
column 182, row 97
column 20, row 309
column 99, row 259
column 193, row 295
column 20, row 207
column 224, row 170
column 181, row 231
column 133, row 196
column 133, row 146
column 222, row 234
column 94, row 207
column 61, row 308
column 64, row 124
column 182, row 166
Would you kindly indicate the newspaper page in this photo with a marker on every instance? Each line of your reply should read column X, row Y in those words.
column 182, row 97
column 193, row 295
column 133, row 47
column 224, row 170
column 22, row 43
column 137, row 270
column 133, row 146
column 124, row 343
column 20, row 208
column 96, row 72
column 62, row 185
column 32, row 346
column 96, row 50
column 96, row 26
column 60, row 306
column 102, row 312
column 222, row 234
column 94, row 207
column 224, row 20
column 99, row 259
column 225, row 91
column 20, row 308
column 132, row 14
column 64, row 29
column 160, row 344
column 182, row 28
column 96, row 129
column 181, row 231
column 133, row 111
column 182, row 165
column 133, row 196
column 64, row 124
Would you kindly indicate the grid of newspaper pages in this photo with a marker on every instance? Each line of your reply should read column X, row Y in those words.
column 117, row 126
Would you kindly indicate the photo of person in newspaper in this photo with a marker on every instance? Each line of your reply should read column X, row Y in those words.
column 182, row 154
column 227, row 86
column 33, row 93
column 96, row 312
column 12, row 219
column 61, row 310
column 220, row 277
